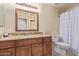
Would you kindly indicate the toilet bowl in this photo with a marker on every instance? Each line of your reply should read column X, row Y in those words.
column 62, row 45
column 61, row 48
column 59, row 42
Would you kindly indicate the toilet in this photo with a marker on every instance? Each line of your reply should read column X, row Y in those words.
column 59, row 46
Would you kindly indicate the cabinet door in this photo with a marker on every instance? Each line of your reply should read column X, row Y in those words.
column 23, row 51
column 7, row 52
column 37, row 49
column 47, row 48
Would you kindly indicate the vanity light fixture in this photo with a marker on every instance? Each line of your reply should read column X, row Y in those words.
column 27, row 5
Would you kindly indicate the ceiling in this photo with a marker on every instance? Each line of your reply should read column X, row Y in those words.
column 64, row 6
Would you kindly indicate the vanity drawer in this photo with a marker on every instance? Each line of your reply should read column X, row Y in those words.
column 7, row 52
column 7, row 44
column 47, row 39
column 28, row 41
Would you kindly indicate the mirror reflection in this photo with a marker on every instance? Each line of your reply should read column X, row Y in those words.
column 26, row 20
column 14, row 18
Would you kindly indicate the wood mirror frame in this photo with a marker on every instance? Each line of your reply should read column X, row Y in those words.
column 16, row 20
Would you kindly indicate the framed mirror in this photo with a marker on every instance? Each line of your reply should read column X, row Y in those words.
column 26, row 20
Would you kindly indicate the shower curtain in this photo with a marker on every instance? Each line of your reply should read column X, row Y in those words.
column 69, row 28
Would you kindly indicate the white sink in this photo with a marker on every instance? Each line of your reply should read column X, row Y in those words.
column 62, row 45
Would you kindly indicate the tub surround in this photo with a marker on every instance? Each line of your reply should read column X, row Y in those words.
column 26, row 45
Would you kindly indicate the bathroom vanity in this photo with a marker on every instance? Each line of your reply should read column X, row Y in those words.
column 26, row 46
column 25, row 20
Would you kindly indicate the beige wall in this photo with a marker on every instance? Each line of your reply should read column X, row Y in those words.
column 48, row 19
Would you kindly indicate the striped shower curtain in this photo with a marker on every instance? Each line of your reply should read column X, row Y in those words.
column 69, row 28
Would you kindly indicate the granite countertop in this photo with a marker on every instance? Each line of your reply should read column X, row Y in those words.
column 23, row 37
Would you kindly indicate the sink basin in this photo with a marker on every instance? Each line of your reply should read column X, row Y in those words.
column 62, row 45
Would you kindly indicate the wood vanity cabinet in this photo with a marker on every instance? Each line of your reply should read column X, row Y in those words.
column 7, row 52
column 41, row 46
column 47, row 49
column 7, row 48
column 29, row 47
column 37, row 49
column 23, row 51
column 47, row 46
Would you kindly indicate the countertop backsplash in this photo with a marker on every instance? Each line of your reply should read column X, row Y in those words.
column 24, row 33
